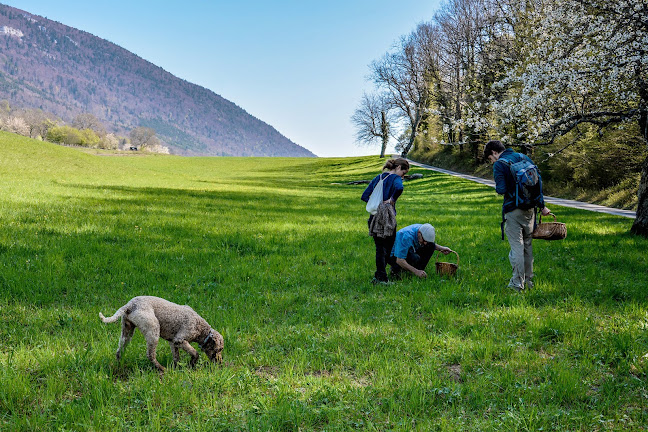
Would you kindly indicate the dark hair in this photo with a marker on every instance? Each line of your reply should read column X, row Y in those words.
column 398, row 162
column 493, row 146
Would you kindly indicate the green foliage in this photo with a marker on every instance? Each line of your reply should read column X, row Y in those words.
column 72, row 136
column 89, row 138
column 599, row 161
column 273, row 252
column 64, row 135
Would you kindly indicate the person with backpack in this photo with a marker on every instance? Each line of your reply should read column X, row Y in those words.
column 391, row 183
column 518, row 179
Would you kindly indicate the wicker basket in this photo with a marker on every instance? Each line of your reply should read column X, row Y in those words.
column 550, row 230
column 446, row 268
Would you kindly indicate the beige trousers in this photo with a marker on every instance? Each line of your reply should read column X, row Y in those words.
column 518, row 229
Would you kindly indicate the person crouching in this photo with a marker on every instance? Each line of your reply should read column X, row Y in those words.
column 413, row 248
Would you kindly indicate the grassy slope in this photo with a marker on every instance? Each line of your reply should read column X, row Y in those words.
column 276, row 258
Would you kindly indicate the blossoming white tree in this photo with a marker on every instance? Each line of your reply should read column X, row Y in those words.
column 588, row 63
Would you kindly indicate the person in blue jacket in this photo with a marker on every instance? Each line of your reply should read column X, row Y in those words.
column 413, row 248
column 393, row 172
column 518, row 217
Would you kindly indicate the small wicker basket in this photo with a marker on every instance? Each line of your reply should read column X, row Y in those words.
column 446, row 268
column 550, row 230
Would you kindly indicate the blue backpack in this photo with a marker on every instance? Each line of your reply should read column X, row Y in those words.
column 527, row 182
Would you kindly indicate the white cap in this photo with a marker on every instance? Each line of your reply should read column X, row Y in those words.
column 427, row 232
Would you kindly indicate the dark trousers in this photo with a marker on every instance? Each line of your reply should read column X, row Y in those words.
column 383, row 254
column 418, row 259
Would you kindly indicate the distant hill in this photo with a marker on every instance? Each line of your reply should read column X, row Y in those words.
column 65, row 71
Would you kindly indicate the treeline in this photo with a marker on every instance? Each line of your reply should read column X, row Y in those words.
column 566, row 80
column 85, row 130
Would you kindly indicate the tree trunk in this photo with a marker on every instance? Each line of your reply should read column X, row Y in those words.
column 384, row 132
column 415, row 125
column 640, row 225
column 409, row 144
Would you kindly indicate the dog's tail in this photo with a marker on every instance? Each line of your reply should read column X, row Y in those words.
column 120, row 313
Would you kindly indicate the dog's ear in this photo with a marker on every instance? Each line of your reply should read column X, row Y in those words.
column 218, row 339
column 209, row 343
column 214, row 341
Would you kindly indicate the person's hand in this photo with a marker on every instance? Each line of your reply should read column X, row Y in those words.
column 545, row 211
column 445, row 250
column 421, row 274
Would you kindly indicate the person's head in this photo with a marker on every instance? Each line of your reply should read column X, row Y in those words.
column 426, row 234
column 399, row 166
column 493, row 150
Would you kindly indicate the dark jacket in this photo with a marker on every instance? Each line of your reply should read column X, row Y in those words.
column 392, row 187
column 505, row 183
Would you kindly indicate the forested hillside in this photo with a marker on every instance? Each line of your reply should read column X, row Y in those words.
column 66, row 72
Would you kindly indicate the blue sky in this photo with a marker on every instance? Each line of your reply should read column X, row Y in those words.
column 300, row 66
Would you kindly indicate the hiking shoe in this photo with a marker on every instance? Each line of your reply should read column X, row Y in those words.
column 516, row 288
column 528, row 284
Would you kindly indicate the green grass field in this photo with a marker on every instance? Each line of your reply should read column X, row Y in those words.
column 276, row 257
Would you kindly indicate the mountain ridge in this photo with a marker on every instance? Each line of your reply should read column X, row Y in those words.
column 66, row 71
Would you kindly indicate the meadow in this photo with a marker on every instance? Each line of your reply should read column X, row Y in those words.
column 274, row 253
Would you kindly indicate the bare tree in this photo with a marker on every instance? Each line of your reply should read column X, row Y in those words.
column 371, row 119
column 144, row 137
column 464, row 33
column 408, row 76
column 89, row 121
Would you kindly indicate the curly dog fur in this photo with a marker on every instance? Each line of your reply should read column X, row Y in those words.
column 180, row 325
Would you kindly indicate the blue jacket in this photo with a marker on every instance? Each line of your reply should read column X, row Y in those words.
column 392, row 187
column 406, row 241
column 505, row 183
